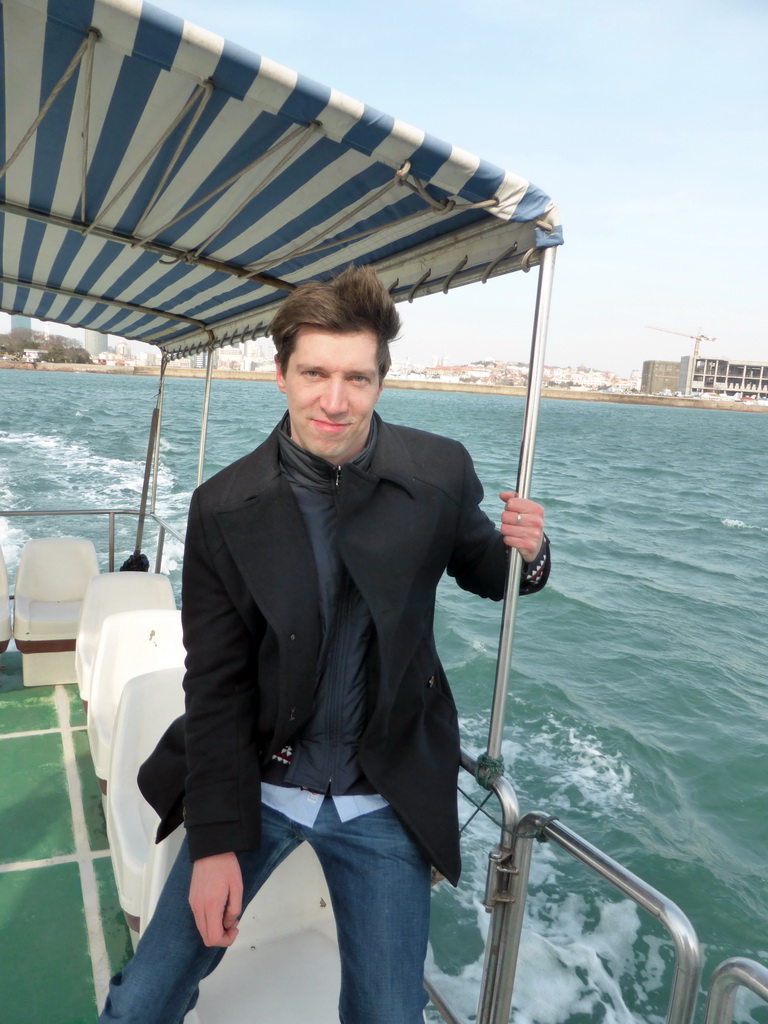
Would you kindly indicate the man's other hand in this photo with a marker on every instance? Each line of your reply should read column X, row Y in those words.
column 216, row 898
column 522, row 525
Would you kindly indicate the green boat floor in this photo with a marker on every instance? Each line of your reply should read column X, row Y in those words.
column 34, row 801
column 62, row 932
column 42, row 910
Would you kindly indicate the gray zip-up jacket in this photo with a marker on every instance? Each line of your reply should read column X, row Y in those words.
column 324, row 757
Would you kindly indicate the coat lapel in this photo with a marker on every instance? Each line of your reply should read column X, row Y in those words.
column 264, row 532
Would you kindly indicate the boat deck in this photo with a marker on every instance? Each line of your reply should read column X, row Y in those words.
column 62, row 932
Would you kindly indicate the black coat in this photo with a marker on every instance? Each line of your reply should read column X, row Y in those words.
column 252, row 633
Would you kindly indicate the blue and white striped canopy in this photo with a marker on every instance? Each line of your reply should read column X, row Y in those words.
column 159, row 183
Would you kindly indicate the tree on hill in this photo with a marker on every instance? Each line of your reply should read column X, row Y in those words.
column 14, row 343
column 58, row 353
column 56, row 349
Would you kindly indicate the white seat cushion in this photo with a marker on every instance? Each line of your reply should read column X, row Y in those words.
column 49, row 620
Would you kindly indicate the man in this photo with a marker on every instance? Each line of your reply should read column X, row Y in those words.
column 316, row 706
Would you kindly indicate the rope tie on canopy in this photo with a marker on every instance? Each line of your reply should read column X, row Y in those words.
column 525, row 262
column 208, row 87
column 198, row 96
column 86, row 122
column 419, row 283
column 271, row 175
column 302, row 130
column 459, row 266
column 404, row 177
column 86, row 45
column 502, row 256
column 326, row 240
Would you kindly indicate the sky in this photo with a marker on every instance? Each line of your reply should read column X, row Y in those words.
column 645, row 121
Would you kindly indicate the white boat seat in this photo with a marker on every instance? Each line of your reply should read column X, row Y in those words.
column 108, row 594
column 51, row 579
column 5, row 606
column 130, row 644
column 287, row 943
column 53, row 619
column 148, row 705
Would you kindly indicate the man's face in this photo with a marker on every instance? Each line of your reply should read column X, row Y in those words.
column 332, row 385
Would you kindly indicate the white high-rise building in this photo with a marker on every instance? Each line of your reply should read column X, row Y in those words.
column 95, row 342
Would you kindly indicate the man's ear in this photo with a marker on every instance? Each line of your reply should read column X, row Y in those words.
column 279, row 376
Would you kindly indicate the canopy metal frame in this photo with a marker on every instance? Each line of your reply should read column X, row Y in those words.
column 240, row 178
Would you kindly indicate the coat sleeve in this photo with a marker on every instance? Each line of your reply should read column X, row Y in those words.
column 222, row 786
column 480, row 558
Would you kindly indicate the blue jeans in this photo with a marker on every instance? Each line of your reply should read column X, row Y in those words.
column 379, row 886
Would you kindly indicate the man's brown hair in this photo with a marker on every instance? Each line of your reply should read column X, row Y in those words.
column 355, row 300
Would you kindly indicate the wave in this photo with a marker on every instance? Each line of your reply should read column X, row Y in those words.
column 737, row 524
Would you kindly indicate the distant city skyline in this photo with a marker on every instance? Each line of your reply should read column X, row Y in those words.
column 646, row 123
column 457, row 353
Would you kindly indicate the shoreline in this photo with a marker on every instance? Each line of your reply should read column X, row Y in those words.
column 562, row 394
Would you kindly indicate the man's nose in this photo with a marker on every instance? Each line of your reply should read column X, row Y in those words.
column 334, row 398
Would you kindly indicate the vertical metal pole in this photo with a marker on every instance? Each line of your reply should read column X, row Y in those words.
column 111, row 541
column 505, row 899
column 159, row 552
column 525, row 470
column 204, row 423
column 503, row 944
column 159, row 407
column 145, row 484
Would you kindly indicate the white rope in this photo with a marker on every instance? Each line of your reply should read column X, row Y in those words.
column 270, row 177
column 330, row 229
column 441, row 206
column 525, row 262
column 419, row 283
column 208, row 87
column 323, row 241
column 90, row 39
column 301, row 130
column 86, row 119
column 196, row 96
column 459, row 266
column 502, row 256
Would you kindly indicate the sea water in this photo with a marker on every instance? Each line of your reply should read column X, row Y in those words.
column 638, row 706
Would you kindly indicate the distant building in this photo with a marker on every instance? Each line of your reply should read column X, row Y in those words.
column 95, row 342
column 23, row 322
column 725, row 378
column 660, row 376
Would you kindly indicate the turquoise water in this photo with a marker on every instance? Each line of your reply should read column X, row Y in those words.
column 638, row 697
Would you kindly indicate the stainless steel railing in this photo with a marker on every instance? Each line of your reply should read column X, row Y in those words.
column 725, row 981
column 505, row 895
column 162, row 527
column 687, row 952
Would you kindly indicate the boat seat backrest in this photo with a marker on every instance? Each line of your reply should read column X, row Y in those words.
column 130, row 644
column 148, row 705
column 51, row 580
column 55, row 569
column 108, row 594
column 5, row 606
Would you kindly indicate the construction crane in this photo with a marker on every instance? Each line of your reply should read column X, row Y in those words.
column 696, row 338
